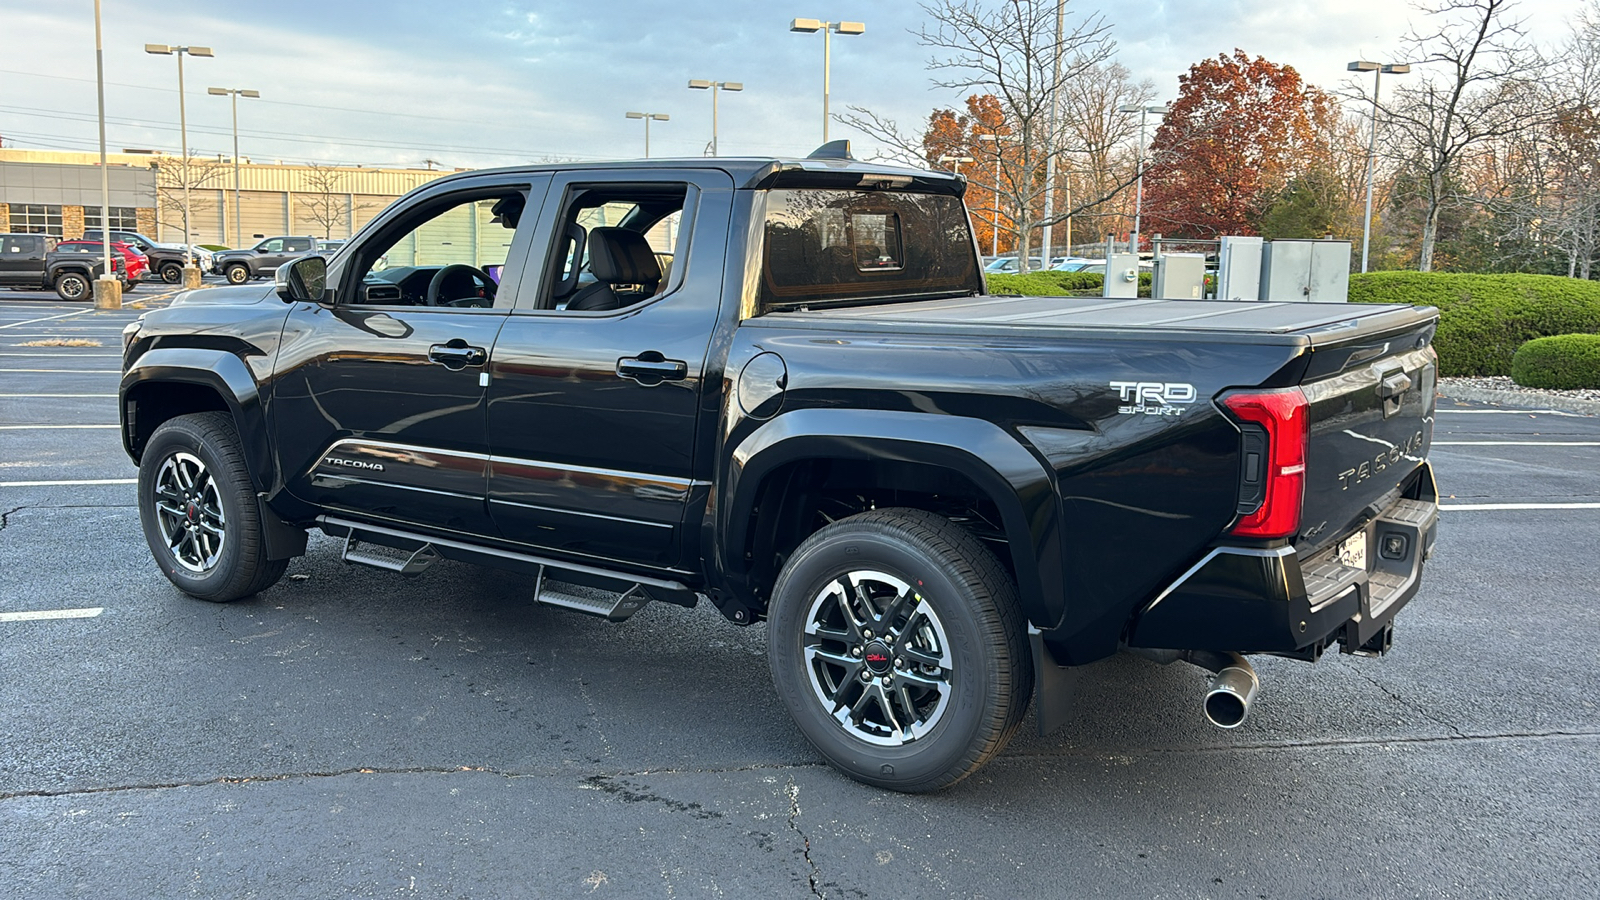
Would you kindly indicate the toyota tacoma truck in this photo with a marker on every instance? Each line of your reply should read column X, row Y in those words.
column 778, row 386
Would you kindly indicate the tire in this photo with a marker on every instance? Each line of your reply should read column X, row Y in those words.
column 957, row 646
column 238, row 273
column 172, row 273
column 73, row 286
column 206, row 531
column 129, row 286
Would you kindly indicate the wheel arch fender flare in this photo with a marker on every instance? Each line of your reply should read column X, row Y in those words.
column 1018, row 483
column 222, row 372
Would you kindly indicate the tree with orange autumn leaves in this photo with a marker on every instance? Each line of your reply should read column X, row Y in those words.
column 1241, row 131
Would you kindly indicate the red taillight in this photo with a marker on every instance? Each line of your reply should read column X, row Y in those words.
column 1282, row 414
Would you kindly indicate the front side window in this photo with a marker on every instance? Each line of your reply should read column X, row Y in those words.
column 273, row 246
column 448, row 255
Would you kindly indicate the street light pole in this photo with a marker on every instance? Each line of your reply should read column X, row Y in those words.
column 1378, row 71
column 994, row 236
column 107, row 290
column 660, row 117
column 714, row 86
column 1050, row 139
column 191, row 274
column 827, row 29
column 235, row 93
column 1138, row 202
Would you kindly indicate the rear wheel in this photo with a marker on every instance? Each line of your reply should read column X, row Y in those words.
column 238, row 273
column 897, row 643
column 199, row 511
column 72, row 286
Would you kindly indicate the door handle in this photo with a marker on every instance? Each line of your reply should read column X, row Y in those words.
column 456, row 354
column 650, row 368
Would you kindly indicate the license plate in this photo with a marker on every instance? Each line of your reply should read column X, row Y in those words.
column 1353, row 551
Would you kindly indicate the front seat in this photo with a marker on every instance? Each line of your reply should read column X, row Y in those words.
column 617, row 256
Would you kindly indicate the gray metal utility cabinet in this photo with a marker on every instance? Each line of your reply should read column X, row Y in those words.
column 1179, row 276
column 1122, row 275
column 1315, row 271
column 1239, row 268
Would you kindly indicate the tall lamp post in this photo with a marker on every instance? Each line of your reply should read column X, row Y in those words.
column 191, row 272
column 1378, row 70
column 1138, row 202
column 659, row 117
column 107, row 289
column 994, row 233
column 827, row 29
column 235, row 93
column 714, row 86
column 958, row 160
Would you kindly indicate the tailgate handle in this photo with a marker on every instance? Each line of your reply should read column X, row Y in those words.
column 1394, row 385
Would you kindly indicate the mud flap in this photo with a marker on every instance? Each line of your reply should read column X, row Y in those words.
column 1055, row 687
column 284, row 541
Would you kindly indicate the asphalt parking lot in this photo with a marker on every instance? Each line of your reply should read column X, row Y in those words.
column 351, row 733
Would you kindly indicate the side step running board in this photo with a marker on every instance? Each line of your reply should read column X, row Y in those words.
column 393, row 560
column 609, row 605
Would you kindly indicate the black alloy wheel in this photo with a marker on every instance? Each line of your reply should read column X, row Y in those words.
column 199, row 510
column 72, row 286
column 172, row 273
column 897, row 643
column 238, row 273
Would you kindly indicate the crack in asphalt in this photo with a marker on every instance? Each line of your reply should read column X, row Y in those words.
column 1421, row 710
column 793, row 793
column 5, row 517
column 794, row 807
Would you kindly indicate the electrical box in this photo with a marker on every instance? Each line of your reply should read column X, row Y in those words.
column 1122, row 275
column 1239, row 268
column 1179, row 276
column 1315, row 271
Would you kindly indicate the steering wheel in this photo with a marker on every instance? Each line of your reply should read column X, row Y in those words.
column 456, row 269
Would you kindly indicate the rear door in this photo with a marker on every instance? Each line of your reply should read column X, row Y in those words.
column 592, row 413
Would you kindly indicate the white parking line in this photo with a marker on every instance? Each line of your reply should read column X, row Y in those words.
column 48, row 318
column 1495, row 443
column 1474, row 507
column 70, row 371
column 84, row 483
column 34, row 427
column 88, row 613
column 68, row 355
column 1509, row 412
column 33, row 396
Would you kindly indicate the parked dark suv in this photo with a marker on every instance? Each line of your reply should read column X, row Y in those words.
column 166, row 260
column 239, row 266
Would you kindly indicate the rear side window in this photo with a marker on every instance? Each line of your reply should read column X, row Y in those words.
column 828, row 247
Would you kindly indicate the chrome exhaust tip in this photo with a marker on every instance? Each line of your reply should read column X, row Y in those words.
column 1232, row 690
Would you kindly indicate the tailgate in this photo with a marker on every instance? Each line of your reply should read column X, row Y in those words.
column 1370, row 412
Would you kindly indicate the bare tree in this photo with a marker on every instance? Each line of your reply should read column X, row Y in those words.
column 325, row 204
column 201, row 176
column 1098, row 138
column 1473, row 84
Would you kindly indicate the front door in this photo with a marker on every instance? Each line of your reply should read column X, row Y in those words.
column 378, row 405
column 22, row 259
column 593, row 409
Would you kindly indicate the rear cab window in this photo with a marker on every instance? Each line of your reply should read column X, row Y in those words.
column 849, row 247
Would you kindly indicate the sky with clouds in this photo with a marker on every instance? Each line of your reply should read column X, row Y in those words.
column 498, row 82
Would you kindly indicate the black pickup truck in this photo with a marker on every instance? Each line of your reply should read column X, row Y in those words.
column 778, row 385
column 31, row 262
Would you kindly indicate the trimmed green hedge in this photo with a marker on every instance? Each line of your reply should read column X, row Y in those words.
column 1056, row 284
column 1564, row 362
column 1483, row 319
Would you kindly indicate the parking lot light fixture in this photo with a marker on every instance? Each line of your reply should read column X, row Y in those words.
column 659, row 117
column 1378, row 70
column 1138, row 202
column 811, row 26
column 235, row 93
column 191, row 273
column 958, row 160
column 700, row 84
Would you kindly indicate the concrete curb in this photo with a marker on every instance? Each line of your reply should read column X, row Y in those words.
column 1520, row 400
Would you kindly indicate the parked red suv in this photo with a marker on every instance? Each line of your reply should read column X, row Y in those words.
column 135, row 265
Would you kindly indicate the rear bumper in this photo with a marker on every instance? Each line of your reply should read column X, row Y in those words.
column 1272, row 601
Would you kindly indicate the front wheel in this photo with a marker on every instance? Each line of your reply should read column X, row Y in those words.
column 172, row 273
column 898, row 645
column 238, row 273
column 199, row 510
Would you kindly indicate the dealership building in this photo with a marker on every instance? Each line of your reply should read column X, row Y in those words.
column 58, row 193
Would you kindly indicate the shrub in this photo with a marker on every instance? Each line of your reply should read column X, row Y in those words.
column 1483, row 319
column 1563, row 362
column 1056, row 284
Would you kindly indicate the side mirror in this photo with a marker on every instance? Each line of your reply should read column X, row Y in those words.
column 303, row 281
